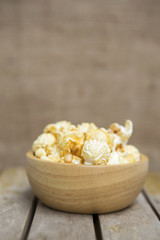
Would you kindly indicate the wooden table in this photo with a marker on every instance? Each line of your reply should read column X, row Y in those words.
column 23, row 216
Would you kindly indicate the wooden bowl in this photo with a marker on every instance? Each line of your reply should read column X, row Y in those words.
column 86, row 188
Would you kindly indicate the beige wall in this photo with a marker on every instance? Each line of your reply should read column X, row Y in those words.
column 80, row 61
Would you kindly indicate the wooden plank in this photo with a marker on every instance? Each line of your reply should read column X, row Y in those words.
column 152, row 191
column 51, row 224
column 135, row 222
column 15, row 201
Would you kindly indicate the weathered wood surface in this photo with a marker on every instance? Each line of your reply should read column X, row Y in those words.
column 51, row 224
column 152, row 190
column 15, row 202
column 78, row 60
column 136, row 222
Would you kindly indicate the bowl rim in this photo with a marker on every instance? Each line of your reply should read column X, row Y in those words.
column 144, row 158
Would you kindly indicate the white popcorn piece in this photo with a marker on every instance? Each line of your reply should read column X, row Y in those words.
column 54, row 154
column 113, row 141
column 130, row 149
column 45, row 158
column 123, row 132
column 40, row 153
column 68, row 158
column 77, row 160
column 114, row 158
column 130, row 155
column 96, row 152
column 43, row 140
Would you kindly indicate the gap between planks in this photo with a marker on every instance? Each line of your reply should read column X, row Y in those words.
column 32, row 211
column 97, row 227
column 152, row 191
column 146, row 196
column 96, row 222
column 29, row 219
column 17, row 184
column 31, row 214
column 15, row 202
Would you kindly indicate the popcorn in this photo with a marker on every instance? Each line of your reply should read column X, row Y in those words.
column 96, row 152
column 70, row 142
column 54, row 154
column 40, row 153
column 114, row 158
column 43, row 140
column 68, row 158
column 123, row 132
column 113, row 141
column 77, row 160
column 131, row 153
column 127, row 159
column 97, row 134
column 87, row 144
column 54, row 128
column 48, row 153
column 85, row 127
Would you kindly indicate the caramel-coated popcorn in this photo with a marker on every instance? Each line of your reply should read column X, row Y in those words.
column 54, row 128
column 123, row 132
column 63, row 142
column 70, row 142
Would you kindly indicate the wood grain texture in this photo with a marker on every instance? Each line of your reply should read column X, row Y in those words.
column 51, row 224
column 86, row 189
column 152, row 189
column 136, row 222
column 80, row 61
column 15, row 202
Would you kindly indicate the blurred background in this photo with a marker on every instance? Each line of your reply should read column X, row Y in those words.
column 88, row 60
